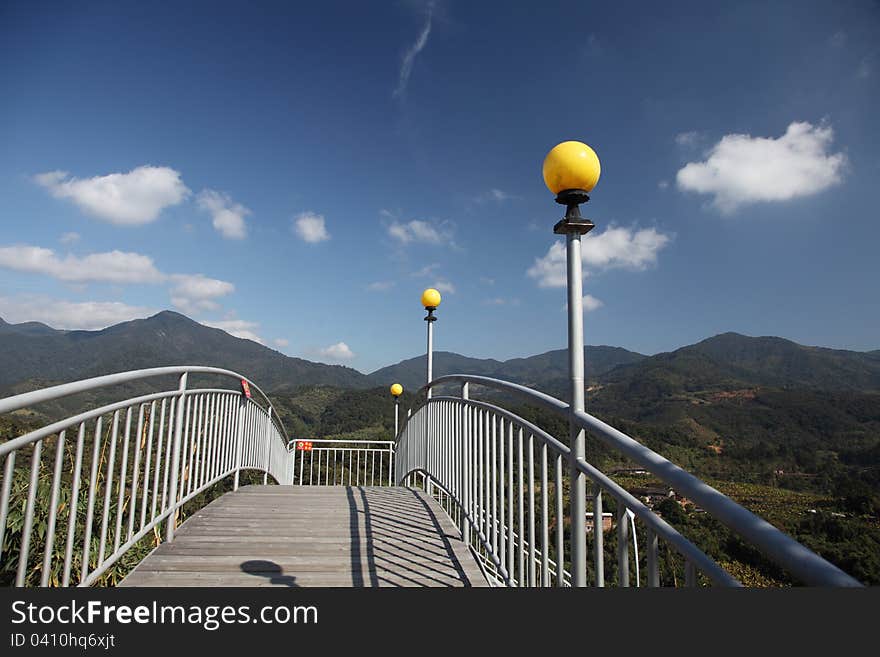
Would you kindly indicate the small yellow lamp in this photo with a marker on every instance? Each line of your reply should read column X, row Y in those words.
column 396, row 390
column 571, row 170
column 571, row 165
column 430, row 299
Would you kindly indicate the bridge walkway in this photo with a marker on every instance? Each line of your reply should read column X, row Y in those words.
column 340, row 536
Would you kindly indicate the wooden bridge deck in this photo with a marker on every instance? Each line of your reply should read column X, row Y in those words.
column 314, row 536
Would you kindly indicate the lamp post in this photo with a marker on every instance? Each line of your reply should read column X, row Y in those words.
column 396, row 392
column 430, row 300
column 571, row 170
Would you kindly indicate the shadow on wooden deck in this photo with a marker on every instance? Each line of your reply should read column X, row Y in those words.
column 314, row 536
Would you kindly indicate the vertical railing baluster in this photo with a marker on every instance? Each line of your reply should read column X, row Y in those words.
column 464, row 467
column 108, row 487
column 598, row 537
column 545, row 528
column 531, row 477
column 560, row 542
column 147, row 465
column 122, row 480
column 511, row 543
column 175, row 462
column 135, row 473
column 157, row 466
column 90, row 508
column 622, row 545
column 239, row 441
column 268, row 448
column 53, row 510
column 184, row 451
column 29, row 515
column 521, row 530
column 72, row 507
column 502, row 547
column 8, row 474
column 493, row 456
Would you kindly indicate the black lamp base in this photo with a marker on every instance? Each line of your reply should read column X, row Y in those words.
column 573, row 222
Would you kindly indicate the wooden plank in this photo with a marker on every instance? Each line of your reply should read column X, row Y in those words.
column 314, row 536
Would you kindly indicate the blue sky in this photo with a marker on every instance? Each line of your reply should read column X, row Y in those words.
column 298, row 173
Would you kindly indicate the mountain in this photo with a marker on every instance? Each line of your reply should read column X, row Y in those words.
column 546, row 371
column 35, row 351
column 27, row 328
column 734, row 360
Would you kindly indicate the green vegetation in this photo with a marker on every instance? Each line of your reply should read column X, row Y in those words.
column 791, row 432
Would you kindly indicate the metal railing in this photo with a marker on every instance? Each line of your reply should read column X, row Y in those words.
column 99, row 482
column 343, row 463
column 507, row 483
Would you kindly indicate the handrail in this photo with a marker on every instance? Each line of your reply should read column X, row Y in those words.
column 147, row 456
column 781, row 548
column 663, row 529
column 51, row 393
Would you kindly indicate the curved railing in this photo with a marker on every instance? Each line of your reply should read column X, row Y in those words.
column 489, row 466
column 101, row 481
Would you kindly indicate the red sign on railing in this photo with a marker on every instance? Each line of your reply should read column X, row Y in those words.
column 246, row 388
column 304, row 445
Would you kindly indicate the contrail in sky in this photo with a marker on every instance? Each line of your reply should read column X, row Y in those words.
column 410, row 56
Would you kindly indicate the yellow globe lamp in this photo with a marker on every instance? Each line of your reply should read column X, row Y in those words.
column 571, row 165
column 397, row 390
column 430, row 298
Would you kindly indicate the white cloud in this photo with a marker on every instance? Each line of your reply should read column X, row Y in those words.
column 191, row 293
column 444, row 286
column 69, row 238
column 421, row 232
column 133, row 198
column 310, row 227
column 238, row 328
column 687, row 138
column 663, row 184
column 196, row 293
column 486, row 280
column 614, row 248
column 84, row 315
column 227, row 215
column 380, row 286
column 409, row 56
column 281, row 342
column 427, row 270
column 591, row 303
column 496, row 195
column 337, row 352
column 501, row 301
column 111, row 267
column 838, row 39
column 741, row 169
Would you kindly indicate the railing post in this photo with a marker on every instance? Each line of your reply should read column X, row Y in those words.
column 175, row 458
column 268, row 446
column 578, row 484
column 239, row 429
column 463, row 465
column 598, row 536
column 622, row 545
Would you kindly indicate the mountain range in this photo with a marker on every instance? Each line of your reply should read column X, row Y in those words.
column 35, row 352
